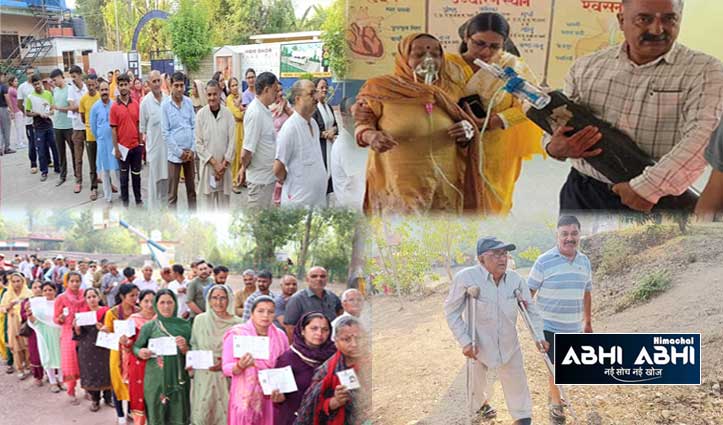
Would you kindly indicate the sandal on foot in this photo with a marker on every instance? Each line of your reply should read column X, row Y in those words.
column 557, row 414
column 486, row 412
column 74, row 401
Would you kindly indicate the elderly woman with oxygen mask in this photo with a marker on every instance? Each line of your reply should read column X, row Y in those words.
column 422, row 157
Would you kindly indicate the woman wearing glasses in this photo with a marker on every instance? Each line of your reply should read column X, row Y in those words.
column 509, row 137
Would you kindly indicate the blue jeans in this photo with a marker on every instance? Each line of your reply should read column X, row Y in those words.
column 32, row 150
column 44, row 140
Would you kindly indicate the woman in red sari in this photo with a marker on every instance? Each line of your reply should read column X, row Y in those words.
column 137, row 367
column 35, row 365
column 66, row 305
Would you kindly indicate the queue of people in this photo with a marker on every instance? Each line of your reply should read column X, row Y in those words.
column 211, row 137
column 52, row 332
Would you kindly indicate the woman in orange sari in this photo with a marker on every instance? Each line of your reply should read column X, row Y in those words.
column 509, row 137
column 422, row 157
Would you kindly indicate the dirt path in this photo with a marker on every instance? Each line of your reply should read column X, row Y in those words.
column 22, row 403
column 419, row 371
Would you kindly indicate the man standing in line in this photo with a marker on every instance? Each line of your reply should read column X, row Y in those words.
column 249, row 278
column 62, row 124
column 562, row 280
column 348, row 162
column 289, row 286
column 179, row 286
column 298, row 157
column 84, row 106
column 156, row 150
column 106, row 161
column 76, row 90
column 197, row 288
column 24, row 90
column 146, row 281
column 215, row 137
column 126, row 140
column 497, row 347
column 38, row 107
column 109, row 284
column 263, row 283
column 5, row 121
column 259, row 147
column 178, row 124
column 314, row 298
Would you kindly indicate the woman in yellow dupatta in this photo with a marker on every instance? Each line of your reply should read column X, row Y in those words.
column 421, row 157
column 233, row 103
column 10, row 303
column 510, row 137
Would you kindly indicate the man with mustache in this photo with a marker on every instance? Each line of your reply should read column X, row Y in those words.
column 562, row 279
column 667, row 97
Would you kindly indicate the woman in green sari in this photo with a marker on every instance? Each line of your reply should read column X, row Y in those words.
column 47, row 333
column 166, row 381
column 210, row 387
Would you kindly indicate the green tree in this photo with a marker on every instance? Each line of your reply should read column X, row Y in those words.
column 447, row 240
column 270, row 229
column 197, row 239
column 189, row 28
column 333, row 36
column 90, row 10
column 154, row 36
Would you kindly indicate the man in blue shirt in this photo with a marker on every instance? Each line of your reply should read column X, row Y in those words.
column 178, row 126
column 562, row 280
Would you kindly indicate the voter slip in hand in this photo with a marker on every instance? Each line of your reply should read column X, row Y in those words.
column 163, row 346
column 125, row 327
column 86, row 318
column 257, row 346
column 108, row 340
column 199, row 359
column 281, row 379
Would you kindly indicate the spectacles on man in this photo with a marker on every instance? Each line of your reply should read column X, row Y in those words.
column 316, row 276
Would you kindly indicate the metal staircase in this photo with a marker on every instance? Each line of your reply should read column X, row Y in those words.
column 36, row 45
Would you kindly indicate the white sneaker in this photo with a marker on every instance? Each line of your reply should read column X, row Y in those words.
column 121, row 421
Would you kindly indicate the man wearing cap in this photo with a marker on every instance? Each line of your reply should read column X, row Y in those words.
column 562, row 280
column 497, row 346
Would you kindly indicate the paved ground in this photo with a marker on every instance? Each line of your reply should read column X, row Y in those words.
column 19, row 188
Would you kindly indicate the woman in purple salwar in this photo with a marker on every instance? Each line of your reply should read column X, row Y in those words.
column 310, row 348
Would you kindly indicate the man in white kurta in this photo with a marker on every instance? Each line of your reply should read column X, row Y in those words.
column 348, row 163
column 156, row 150
column 497, row 349
column 215, row 144
column 299, row 165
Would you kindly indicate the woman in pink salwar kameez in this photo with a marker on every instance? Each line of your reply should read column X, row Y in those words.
column 247, row 404
column 74, row 301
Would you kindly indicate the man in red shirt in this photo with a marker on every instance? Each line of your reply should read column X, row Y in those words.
column 124, row 122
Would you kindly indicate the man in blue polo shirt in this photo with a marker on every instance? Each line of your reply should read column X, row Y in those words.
column 562, row 280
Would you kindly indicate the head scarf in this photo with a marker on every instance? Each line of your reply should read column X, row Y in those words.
column 76, row 299
column 10, row 294
column 201, row 100
column 314, row 356
column 174, row 325
column 209, row 328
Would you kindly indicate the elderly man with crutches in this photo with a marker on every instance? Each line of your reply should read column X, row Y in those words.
column 486, row 292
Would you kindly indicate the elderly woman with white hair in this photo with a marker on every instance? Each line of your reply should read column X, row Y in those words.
column 327, row 400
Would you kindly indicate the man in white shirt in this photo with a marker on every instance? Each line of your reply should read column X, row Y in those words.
column 353, row 302
column 24, row 90
column 259, row 145
column 348, row 162
column 299, row 165
column 76, row 90
column 178, row 286
column 497, row 346
column 146, row 281
column 156, row 149
column 26, row 267
column 86, row 273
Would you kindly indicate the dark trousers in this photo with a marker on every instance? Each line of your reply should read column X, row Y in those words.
column 91, row 148
column 95, row 396
column 64, row 137
column 44, row 139
column 581, row 192
column 32, row 152
column 174, row 176
column 132, row 164
column 78, row 137
column 119, row 404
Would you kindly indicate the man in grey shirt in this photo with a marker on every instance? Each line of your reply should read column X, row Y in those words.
column 314, row 298
column 197, row 288
column 497, row 347
column 109, row 284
